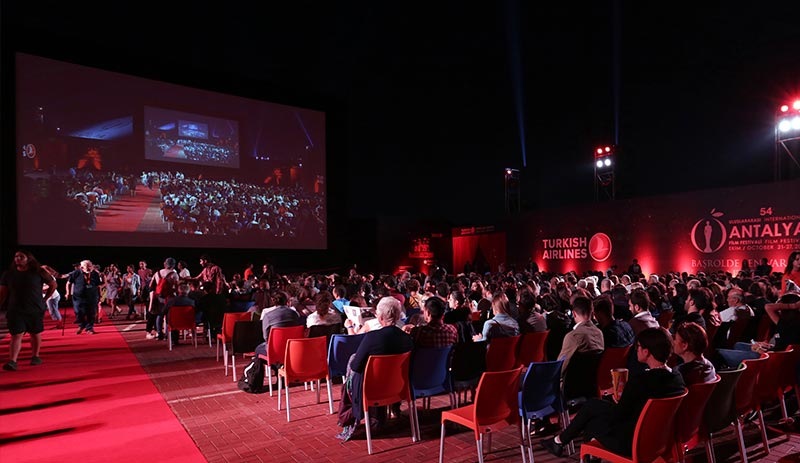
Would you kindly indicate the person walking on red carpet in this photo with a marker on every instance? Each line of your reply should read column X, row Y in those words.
column 21, row 286
column 83, row 285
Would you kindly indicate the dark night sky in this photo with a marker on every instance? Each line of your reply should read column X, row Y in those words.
column 420, row 97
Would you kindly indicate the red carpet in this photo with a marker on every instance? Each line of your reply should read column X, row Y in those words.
column 132, row 213
column 90, row 401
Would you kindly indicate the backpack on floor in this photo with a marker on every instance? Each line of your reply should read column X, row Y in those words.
column 252, row 380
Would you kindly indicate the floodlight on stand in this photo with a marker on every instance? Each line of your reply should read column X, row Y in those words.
column 607, row 162
column 599, row 163
column 787, row 140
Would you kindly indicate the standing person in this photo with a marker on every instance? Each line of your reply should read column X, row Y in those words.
column 163, row 288
column 131, row 285
column 792, row 272
column 145, row 275
column 248, row 272
column 212, row 273
column 113, row 283
column 83, row 285
column 54, row 299
column 21, row 286
column 183, row 272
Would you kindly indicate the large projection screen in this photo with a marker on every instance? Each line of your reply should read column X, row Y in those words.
column 107, row 159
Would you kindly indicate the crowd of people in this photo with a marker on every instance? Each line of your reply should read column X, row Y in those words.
column 204, row 206
column 681, row 326
column 195, row 150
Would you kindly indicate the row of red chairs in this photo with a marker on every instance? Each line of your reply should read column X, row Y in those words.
column 708, row 408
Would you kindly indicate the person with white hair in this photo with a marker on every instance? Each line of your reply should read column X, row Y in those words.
column 83, row 285
column 387, row 340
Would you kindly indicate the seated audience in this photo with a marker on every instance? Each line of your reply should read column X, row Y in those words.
column 613, row 424
column 689, row 343
column 616, row 333
column 502, row 325
column 324, row 314
column 280, row 315
column 434, row 333
column 584, row 337
column 530, row 319
column 389, row 339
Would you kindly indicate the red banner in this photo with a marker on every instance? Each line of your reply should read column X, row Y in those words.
column 700, row 231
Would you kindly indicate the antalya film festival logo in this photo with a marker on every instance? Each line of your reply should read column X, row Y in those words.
column 709, row 234
column 600, row 247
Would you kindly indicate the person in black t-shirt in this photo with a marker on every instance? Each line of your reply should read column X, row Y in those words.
column 21, row 286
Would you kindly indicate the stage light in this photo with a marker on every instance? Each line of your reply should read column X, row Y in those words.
column 796, row 122
column 784, row 108
column 508, row 171
column 784, row 125
column 608, row 149
column 796, row 104
column 599, row 163
column 607, row 162
column 599, row 150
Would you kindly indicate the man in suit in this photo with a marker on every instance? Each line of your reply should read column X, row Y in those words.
column 584, row 337
column 387, row 340
column 613, row 424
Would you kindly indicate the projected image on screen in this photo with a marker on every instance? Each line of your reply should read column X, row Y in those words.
column 99, row 158
column 191, row 138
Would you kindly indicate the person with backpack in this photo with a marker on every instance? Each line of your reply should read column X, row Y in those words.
column 163, row 286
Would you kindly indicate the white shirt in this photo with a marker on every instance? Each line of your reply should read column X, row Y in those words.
column 729, row 314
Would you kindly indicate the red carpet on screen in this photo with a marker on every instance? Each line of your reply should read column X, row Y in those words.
column 127, row 213
column 90, row 401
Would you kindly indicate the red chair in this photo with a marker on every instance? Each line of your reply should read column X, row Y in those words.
column 690, row 415
column 778, row 375
column 531, row 348
column 790, row 375
column 305, row 360
column 247, row 335
column 653, row 437
column 501, row 354
column 385, row 383
column 180, row 317
column 720, row 410
column 764, row 329
column 612, row 357
column 226, row 334
column 747, row 401
column 495, row 406
column 276, row 347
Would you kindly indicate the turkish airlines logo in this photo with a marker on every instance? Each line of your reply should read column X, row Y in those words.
column 600, row 247
column 708, row 235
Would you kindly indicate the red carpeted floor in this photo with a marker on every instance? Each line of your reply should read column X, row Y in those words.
column 132, row 213
column 90, row 401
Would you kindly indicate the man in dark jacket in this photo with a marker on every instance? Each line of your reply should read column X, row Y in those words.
column 613, row 424
column 389, row 339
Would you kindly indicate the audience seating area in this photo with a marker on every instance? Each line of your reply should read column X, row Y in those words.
column 306, row 428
